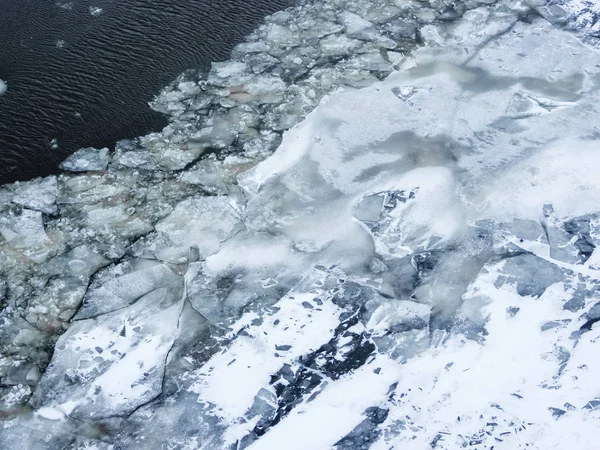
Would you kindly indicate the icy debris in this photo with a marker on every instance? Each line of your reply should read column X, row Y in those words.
column 334, row 412
column 95, row 11
column 502, row 414
column 3, row 87
column 52, row 309
column 39, row 194
column 108, row 366
column 409, row 240
column 13, row 395
column 87, row 159
column 68, row 5
column 67, row 278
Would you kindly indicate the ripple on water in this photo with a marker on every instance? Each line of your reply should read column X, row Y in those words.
column 83, row 72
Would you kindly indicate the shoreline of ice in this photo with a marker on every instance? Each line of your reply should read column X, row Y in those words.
column 266, row 272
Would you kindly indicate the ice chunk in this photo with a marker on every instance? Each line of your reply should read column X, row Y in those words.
column 531, row 275
column 135, row 159
column 122, row 291
column 366, row 432
column 118, row 219
column 217, row 176
column 203, row 222
column 562, row 243
column 372, row 61
column 529, row 230
column 359, row 28
column 3, row 87
column 240, row 277
column 221, row 131
column 265, row 406
column 95, row 11
column 354, row 24
column 266, row 89
column 24, row 236
column 398, row 316
column 51, row 413
column 338, row 45
column 281, row 36
column 87, row 159
column 108, row 366
column 246, row 48
column 370, row 208
column 594, row 312
column 231, row 73
column 39, row 194
column 80, row 262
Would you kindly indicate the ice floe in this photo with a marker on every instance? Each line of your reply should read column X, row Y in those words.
column 376, row 226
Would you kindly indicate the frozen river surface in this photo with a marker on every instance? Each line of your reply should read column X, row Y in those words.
column 375, row 227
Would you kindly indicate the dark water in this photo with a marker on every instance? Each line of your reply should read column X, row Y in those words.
column 85, row 80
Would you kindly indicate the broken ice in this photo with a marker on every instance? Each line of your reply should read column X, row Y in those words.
column 376, row 226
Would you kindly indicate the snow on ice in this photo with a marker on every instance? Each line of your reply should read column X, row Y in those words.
column 376, row 226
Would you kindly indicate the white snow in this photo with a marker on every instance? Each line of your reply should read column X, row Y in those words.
column 254, row 358
column 339, row 408
column 50, row 413
column 564, row 175
column 451, row 386
column 422, row 222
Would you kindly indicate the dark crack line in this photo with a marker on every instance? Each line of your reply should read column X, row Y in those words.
column 488, row 41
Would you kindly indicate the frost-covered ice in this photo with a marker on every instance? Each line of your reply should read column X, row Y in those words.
column 376, row 226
